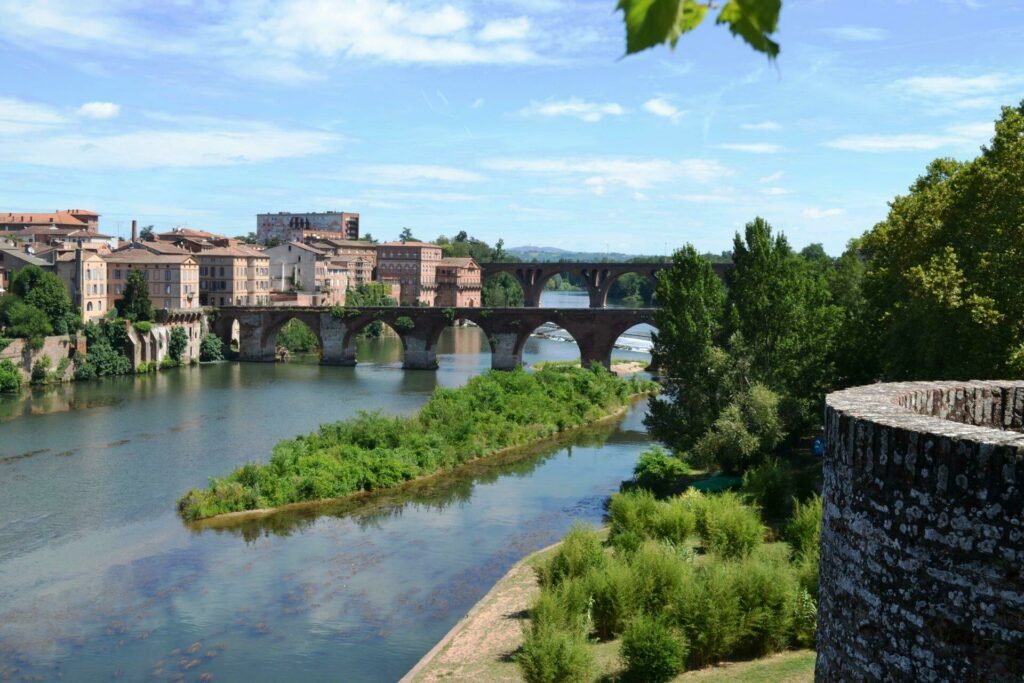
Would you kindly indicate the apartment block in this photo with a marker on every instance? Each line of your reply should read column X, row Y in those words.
column 173, row 279
column 233, row 276
column 413, row 265
column 296, row 227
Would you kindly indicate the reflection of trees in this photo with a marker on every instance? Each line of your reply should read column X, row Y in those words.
column 434, row 493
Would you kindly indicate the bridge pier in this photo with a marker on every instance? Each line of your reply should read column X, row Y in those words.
column 506, row 351
column 252, row 345
column 333, row 350
column 419, row 352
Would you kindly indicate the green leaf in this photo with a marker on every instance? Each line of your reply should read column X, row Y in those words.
column 754, row 21
column 653, row 22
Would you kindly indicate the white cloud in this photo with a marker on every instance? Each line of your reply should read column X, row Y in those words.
column 477, row 103
column 763, row 125
column 817, row 214
column 858, row 33
column 706, row 197
column 412, row 173
column 19, row 116
column 599, row 174
column 591, row 112
column 228, row 145
column 661, row 107
column 99, row 110
column 774, row 177
column 774, row 191
column 962, row 135
column 753, row 147
column 505, row 29
column 952, row 86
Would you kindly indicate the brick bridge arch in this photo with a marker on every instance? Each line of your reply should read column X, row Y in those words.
column 598, row 277
column 507, row 329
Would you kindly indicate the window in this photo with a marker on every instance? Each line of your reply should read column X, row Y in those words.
column 88, row 274
column 167, row 288
column 222, row 271
column 117, row 274
column 167, row 275
column 167, row 303
column 88, row 307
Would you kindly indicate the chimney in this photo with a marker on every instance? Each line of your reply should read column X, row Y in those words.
column 135, row 231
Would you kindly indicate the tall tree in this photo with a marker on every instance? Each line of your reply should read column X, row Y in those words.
column 406, row 235
column 943, row 280
column 693, row 303
column 45, row 291
column 135, row 304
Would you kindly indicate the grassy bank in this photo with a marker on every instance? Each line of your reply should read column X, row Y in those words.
column 493, row 412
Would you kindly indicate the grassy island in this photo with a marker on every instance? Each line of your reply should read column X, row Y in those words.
column 493, row 412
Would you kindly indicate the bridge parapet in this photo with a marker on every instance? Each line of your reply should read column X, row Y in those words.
column 507, row 330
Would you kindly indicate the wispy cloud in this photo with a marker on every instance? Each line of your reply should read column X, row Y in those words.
column 505, row 29
column 817, row 214
column 99, row 110
column 412, row 173
column 18, row 116
column 762, row 125
column 591, row 112
column 753, row 147
column 774, row 191
column 662, row 107
column 706, row 197
column 958, row 92
column 597, row 175
column 963, row 135
column 774, row 177
column 225, row 146
column 864, row 34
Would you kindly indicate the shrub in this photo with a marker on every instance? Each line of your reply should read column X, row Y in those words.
column 551, row 655
column 675, row 522
column 658, row 471
column 635, row 512
column 768, row 486
column 4, row 343
column 612, row 600
column 652, row 650
column 404, row 323
column 708, row 609
column 745, row 432
column 177, row 344
column 767, row 592
column 580, row 552
column 659, row 573
column 297, row 337
column 804, row 529
column 10, row 377
column 167, row 363
column 41, row 370
column 211, row 348
column 727, row 527
column 105, row 344
column 805, row 620
column 144, row 326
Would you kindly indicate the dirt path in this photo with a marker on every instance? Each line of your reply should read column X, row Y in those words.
column 480, row 646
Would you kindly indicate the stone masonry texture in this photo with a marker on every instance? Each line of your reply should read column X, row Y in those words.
column 922, row 543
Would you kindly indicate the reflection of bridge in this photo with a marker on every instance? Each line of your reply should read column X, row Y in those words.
column 507, row 329
column 598, row 277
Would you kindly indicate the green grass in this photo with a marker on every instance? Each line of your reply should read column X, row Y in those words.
column 493, row 412
column 792, row 666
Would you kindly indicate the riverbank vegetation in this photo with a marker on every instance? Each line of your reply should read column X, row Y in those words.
column 680, row 583
column 494, row 411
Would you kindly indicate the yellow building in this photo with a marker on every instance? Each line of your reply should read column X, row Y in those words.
column 173, row 278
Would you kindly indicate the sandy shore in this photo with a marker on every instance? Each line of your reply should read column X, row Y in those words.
column 481, row 645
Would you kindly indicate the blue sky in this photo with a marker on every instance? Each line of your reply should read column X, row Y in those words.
column 514, row 119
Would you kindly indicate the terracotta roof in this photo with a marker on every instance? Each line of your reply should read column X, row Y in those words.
column 25, row 257
column 140, row 255
column 358, row 244
column 461, row 262
column 187, row 232
column 69, row 256
column 87, row 233
column 153, row 246
column 409, row 244
column 237, row 252
column 300, row 245
column 55, row 218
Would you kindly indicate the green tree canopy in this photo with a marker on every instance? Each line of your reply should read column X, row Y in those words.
column 135, row 304
column 45, row 291
column 943, row 287
column 693, row 300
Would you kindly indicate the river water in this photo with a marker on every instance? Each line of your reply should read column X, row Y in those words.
column 100, row 579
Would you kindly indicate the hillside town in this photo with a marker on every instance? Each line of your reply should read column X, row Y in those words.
column 292, row 259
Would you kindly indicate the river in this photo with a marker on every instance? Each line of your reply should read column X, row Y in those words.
column 99, row 578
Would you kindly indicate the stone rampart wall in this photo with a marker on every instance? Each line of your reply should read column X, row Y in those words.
column 922, row 548
column 57, row 348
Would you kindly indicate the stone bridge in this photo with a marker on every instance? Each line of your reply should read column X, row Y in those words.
column 507, row 330
column 597, row 276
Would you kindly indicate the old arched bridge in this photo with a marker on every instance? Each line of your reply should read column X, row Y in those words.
column 595, row 330
column 598, row 277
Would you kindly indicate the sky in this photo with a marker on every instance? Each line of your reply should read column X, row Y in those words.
column 513, row 119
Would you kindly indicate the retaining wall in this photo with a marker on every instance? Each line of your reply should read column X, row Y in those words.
column 922, row 546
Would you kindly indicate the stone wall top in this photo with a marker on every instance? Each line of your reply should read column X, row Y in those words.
column 990, row 412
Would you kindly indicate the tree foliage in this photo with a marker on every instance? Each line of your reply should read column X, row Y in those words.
column 135, row 304
column 46, row 292
column 942, row 285
column 177, row 344
column 656, row 22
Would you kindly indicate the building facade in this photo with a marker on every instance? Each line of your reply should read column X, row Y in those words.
column 459, row 283
column 173, row 279
column 412, row 265
column 359, row 257
column 68, row 219
column 304, row 269
column 233, row 276
column 84, row 273
column 286, row 227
